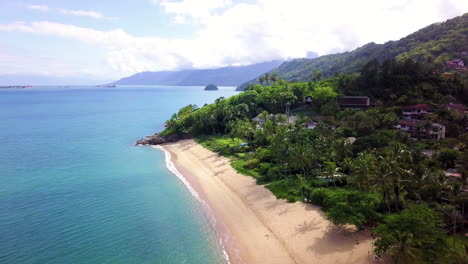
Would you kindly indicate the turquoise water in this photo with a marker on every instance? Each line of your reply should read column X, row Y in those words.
column 74, row 189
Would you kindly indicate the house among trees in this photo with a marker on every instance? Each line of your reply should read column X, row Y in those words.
column 308, row 100
column 289, row 120
column 416, row 112
column 456, row 64
column 418, row 129
column 355, row 102
column 260, row 121
column 310, row 125
column 413, row 123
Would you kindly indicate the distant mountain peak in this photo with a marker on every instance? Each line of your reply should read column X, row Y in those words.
column 225, row 76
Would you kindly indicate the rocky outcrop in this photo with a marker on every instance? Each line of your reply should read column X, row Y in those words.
column 156, row 139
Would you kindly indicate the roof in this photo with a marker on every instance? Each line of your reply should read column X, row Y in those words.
column 408, row 123
column 354, row 100
column 258, row 119
column 453, row 174
column 418, row 106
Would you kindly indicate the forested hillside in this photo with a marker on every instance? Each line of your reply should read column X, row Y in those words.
column 437, row 43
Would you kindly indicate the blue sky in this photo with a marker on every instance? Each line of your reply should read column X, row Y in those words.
column 109, row 39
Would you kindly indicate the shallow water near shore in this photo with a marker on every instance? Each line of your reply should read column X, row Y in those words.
column 76, row 190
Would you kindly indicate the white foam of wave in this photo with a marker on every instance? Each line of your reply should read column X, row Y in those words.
column 212, row 219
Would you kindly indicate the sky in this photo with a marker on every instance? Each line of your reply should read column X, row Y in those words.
column 111, row 39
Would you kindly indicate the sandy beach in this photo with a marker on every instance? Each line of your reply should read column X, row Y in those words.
column 255, row 226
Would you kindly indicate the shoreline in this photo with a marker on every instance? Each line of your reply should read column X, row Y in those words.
column 225, row 239
column 252, row 224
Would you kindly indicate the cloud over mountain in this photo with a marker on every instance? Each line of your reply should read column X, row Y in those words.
column 243, row 32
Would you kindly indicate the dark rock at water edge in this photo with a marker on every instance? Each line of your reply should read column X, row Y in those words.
column 158, row 140
column 211, row 87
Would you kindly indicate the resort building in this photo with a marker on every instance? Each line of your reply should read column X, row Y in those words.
column 416, row 112
column 310, row 125
column 411, row 123
column 355, row 102
column 260, row 121
column 415, row 129
column 289, row 120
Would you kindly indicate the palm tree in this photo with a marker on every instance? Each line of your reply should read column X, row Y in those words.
column 363, row 171
column 406, row 250
column 331, row 171
column 301, row 157
column 384, row 184
column 394, row 162
column 303, row 186
column 342, row 149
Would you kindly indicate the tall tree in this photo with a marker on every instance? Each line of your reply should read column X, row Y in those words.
column 411, row 236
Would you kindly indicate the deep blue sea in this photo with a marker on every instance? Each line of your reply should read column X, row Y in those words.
column 74, row 189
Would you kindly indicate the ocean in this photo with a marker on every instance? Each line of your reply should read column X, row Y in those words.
column 74, row 189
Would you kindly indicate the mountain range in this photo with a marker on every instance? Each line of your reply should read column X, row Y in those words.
column 437, row 43
column 226, row 76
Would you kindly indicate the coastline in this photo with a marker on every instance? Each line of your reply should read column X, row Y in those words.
column 252, row 224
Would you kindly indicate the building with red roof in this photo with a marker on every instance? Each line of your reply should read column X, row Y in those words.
column 416, row 112
column 411, row 123
column 416, row 130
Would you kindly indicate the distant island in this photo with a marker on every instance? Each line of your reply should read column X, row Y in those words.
column 211, row 87
column 226, row 76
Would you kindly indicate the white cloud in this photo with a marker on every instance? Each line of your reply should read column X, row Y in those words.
column 70, row 12
column 85, row 13
column 231, row 33
column 192, row 10
column 42, row 8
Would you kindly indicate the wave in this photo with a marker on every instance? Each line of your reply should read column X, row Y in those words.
column 211, row 216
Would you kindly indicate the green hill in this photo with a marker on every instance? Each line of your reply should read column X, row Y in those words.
column 438, row 43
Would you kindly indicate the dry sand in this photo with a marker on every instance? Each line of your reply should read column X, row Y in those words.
column 255, row 226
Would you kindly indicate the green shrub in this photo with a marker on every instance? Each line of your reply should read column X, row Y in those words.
column 342, row 214
column 286, row 189
column 275, row 172
column 252, row 164
column 318, row 196
column 264, row 168
column 263, row 154
column 317, row 183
